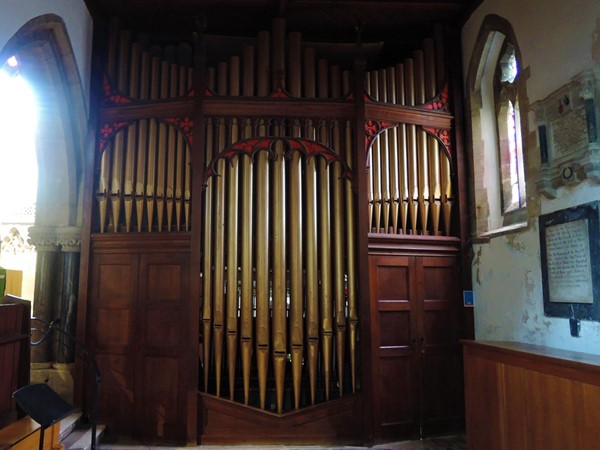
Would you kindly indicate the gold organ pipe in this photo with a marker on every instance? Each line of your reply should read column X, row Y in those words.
column 336, row 81
column 207, row 269
column 384, row 156
column 247, row 234
column 162, row 149
column 338, row 257
column 219, row 256
column 423, row 151
column 294, row 66
column 435, row 191
column 262, row 230
column 187, row 192
column 211, row 78
column 345, row 83
column 325, row 243
column 180, row 159
column 219, row 236
column 171, row 150
column 232, row 266
column 310, row 244
column 351, row 259
column 309, row 73
column 131, row 149
column 116, row 184
column 393, row 154
column 295, row 225
column 103, row 185
column 232, row 234
column 248, row 64
column 142, row 144
column 312, row 282
column 295, row 259
column 234, row 79
column 279, row 272
column 106, row 160
column 278, row 45
column 152, row 145
column 323, row 78
column 411, row 142
column 263, row 64
column 246, row 270
column 447, row 193
column 403, row 178
column 376, row 160
column 262, row 269
column 446, row 180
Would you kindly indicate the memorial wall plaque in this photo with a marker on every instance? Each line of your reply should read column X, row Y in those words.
column 570, row 254
column 568, row 134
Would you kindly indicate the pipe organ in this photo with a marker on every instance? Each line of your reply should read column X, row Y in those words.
column 256, row 156
column 410, row 175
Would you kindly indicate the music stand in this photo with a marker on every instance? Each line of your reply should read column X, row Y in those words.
column 42, row 404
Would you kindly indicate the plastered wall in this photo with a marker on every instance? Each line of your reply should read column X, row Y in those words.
column 558, row 40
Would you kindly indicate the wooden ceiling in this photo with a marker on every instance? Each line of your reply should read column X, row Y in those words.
column 317, row 20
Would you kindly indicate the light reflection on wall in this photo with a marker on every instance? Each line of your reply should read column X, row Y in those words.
column 18, row 173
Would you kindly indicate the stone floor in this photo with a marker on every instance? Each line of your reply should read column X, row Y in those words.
column 439, row 443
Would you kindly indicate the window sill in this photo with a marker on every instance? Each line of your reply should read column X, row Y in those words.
column 484, row 238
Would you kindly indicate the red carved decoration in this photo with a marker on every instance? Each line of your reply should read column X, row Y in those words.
column 112, row 95
column 250, row 147
column 440, row 102
column 443, row 136
column 185, row 124
column 374, row 128
column 107, row 131
column 280, row 93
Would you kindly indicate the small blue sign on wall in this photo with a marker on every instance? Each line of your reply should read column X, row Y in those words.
column 468, row 299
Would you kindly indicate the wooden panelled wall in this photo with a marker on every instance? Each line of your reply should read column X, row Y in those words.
column 530, row 397
column 228, row 278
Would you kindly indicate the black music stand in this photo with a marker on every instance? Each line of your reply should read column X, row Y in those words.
column 42, row 404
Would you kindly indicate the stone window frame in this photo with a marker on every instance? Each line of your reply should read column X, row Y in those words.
column 488, row 217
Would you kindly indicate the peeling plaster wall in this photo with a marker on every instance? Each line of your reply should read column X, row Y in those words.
column 557, row 40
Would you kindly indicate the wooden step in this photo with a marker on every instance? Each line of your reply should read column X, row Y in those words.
column 81, row 438
column 68, row 424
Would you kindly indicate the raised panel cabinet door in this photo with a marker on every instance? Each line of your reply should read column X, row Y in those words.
column 111, row 325
column 161, row 382
column 394, row 344
column 439, row 294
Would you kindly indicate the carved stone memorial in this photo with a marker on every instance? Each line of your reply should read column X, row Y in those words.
column 568, row 122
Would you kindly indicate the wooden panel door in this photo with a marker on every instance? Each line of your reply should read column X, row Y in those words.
column 111, row 328
column 415, row 306
column 138, row 326
column 440, row 360
column 161, row 361
column 394, row 310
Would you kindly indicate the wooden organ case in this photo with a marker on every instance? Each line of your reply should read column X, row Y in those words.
column 271, row 255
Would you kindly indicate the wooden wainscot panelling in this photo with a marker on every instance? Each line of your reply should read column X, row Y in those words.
column 529, row 397
column 336, row 422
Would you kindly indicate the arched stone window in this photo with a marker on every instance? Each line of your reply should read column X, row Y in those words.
column 495, row 91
